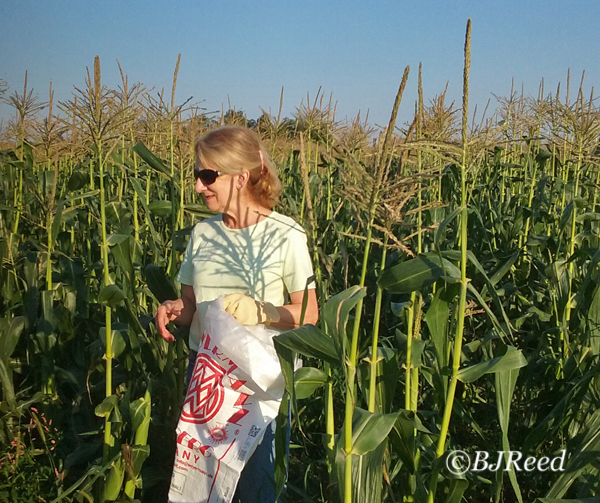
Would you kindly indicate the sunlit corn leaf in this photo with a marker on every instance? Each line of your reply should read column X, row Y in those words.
column 28, row 155
column 336, row 313
column 369, row 429
column 367, row 474
column 307, row 380
column 107, row 406
column 412, row 275
column 509, row 358
column 139, row 411
column 308, row 340
column 46, row 183
column 114, row 481
column 138, row 454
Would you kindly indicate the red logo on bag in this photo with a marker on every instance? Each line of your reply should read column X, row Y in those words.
column 205, row 392
column 218, row 434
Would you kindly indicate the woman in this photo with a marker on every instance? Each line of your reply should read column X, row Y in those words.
column 253, row 255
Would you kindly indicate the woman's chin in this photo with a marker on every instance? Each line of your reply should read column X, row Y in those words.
column 211, row 203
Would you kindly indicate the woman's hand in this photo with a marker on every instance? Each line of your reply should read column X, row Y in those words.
column 180, row 311
column 248, row 311
column 168, row 311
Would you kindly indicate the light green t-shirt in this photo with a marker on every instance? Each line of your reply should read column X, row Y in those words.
column 265, row 261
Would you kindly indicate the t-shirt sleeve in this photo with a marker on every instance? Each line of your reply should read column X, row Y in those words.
column 186, row 271
column 297, row 265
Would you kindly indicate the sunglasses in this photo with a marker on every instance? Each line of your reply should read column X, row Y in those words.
column 207, row 176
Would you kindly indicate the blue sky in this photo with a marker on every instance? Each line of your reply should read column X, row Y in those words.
column 244, row 52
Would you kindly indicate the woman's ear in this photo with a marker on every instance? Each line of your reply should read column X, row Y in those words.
column 242, row 179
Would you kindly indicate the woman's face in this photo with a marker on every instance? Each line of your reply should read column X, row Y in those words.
column 217, row 194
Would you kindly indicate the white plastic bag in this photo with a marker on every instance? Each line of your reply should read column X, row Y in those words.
column 234, row 394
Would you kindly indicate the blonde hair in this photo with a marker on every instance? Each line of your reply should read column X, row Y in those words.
column 232, row 149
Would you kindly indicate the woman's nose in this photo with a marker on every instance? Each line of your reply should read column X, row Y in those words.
column 199, row 187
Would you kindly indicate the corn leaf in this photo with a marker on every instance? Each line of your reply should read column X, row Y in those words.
column 367, row 474
column 509, row 359
column 10, row 331
column 585, row 454
column 593, row 318
column 111, row 295
column 369, row 429
column 307, row 380
column 457, row 488
column 114, row 481
column 505, row 386
column 139, row 411
column 107, row 406
column 158, row 283
column 152, row 161
column 402, row 438
column 414, row 274
column 308, row 340
column 336, row 313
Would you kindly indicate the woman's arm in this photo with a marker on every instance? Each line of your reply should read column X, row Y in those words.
column 180, row 311
column 289, row 315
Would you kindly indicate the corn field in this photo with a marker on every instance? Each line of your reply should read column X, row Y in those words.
column 457, row 263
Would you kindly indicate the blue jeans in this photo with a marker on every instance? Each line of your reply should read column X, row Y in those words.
column 257, row 480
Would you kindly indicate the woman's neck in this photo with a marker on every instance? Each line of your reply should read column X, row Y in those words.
column 249, row 215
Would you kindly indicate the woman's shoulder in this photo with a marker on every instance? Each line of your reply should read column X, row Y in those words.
column 207, row 224
column 285, row 223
